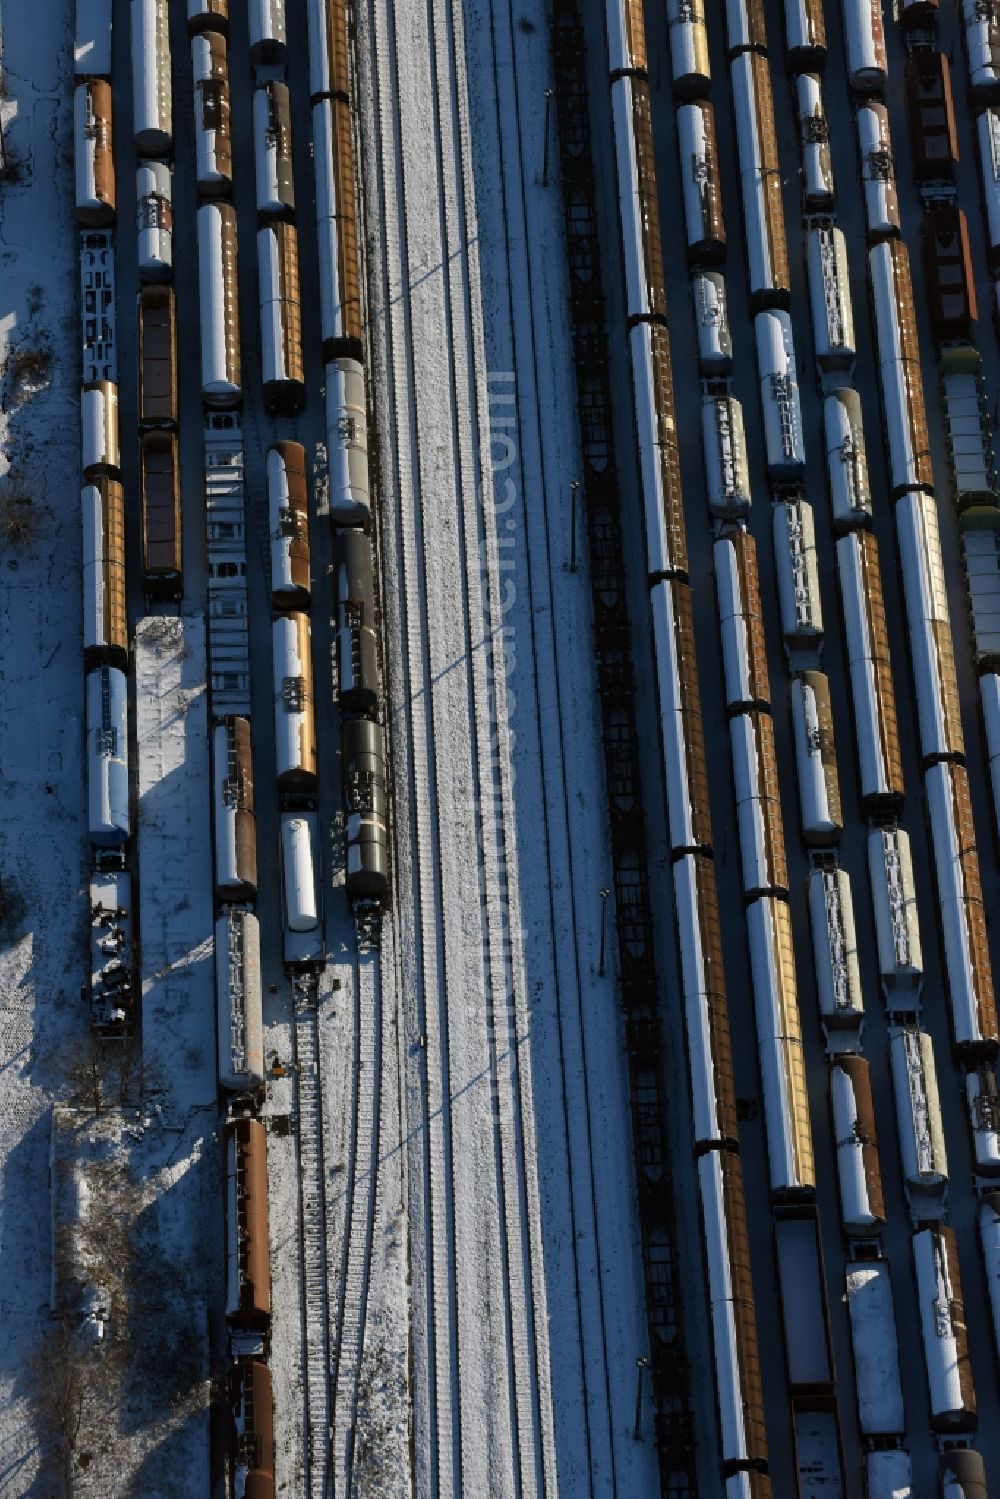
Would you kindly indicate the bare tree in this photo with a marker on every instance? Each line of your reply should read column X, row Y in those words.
column 57, row 1382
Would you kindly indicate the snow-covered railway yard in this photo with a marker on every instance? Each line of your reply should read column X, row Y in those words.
column 358, row 1212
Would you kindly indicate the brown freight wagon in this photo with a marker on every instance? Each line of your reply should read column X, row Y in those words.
column 157, row 357
column 161, row 516
column 252, row 1410
column 931, row 109
column 248, row 1290
column 951, row 287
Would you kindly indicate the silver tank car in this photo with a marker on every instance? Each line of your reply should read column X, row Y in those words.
column 282, row 367
column 288, row 518
column 152, row 120
column 272, row 143
column 365, row 806
column 94, row 153
column 347, row 443
column 154, row 221
column 99, row 429
column 235, row 824
column 238, row 999
column 267, row 31
column 92, row 39
column 212, row 137
column 107, row 757
column 814, row 138
column 711, row 315
column 357, row 652
column 294, row 721
column 208, row 15
column 218, row 293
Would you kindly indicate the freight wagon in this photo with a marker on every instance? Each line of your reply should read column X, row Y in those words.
column 760, row 179
column 659, row 461
column 931, row 110
column 252, row 1418
column 105, row 613
column 798, row 574
column 804, row 1312
column 830, row 297
column 983, row 1104
column 951, row 284
column 929, row 626
column 157, row 357
column 233, row 809
column 814, row 139
column 745, row 27
column 942, row 1321
column 363, row 762
column 101, row 452
column 288, row 518
column 741, row 623
column 989, row 1243
column 248, row 1277
column 878, row 171
column 208, row 15
column 846, row 458
column 238, row 995
column 918, row 1116
column 864, row 39
column 356, row 645
column 294, row 722
column 159, row 479
column 154, row 221
column 93, row 153
column 329, row 65
column 212, row 134
column 727, row 470
column 706, row 1014
column 897, row 925
column 880, row 761
column 282, row 366
column 988, row 136
column 784, row 446
column 875, row 1347
column 107, row 757
column 816, row 759
column 805, row 35
column 835, row 950
column 97, row 307
column 337, row 231
column 347, row 444
column 758, row 803
column 791, row 1164
column 152, row 121
column 700, row 185
column 219, row 296
column 859, row 1174
column 272, row 140
column 301, row 888
column 685, row 771
column 899, row 368
column 267, row 32
column 962, row 1474
column 92, row 39
column 112, row 957
column 981, row 20
column 689, row 62
column 715, row 344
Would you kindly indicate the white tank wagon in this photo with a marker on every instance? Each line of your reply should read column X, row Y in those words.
column 356, row 643
column 989, row 696
column 798, row 574
column 300, row 875
column 706, row 1012
column 894, row 900
column 846, row 458
column 336, row 229
column 727, row 469
column 785, row 452
column 689, row 62
column 233, row 809
column 93, row 153
column 961, row 909
column 294, row 720
column 983, row 1105
column 741, row 622
column 92, row 39
column 219, row 295
column 112, row 957
column 208, row 15
column 347, row 443
column 101, row 451
column 733, row 1312
column 684, row 767
column 745, row 28
column 988, row 137
column 272, row 141
column 212, row 134
column 889, row 1474
column 267, row 32
column 154, row 221
column 805, row 35
column 864, row 41
column 239, row 1001
column 818, row 189
column 758, row 803
column 639, row 213
column 97, row 307
column 659, row 461
column 779, row 1038
column 918, row 1113
column 329, row 70
column 962, row 1474
column 989, row 1243
column 363, row 761
column 105, row 612
column 835, row 951
column 711, row 315
column 928, row 618
column 981, row 21
column 942, row 1323
column 900, row 376
column 878, row 170
column 288, row 518
column 816, row 759
column 107, row 757
column 868, row 1292
column 282, row 366
column 700, row 185
column 152, row 121
column 859, row 1174
column 876, row 726
column 830, row 297
column 760, row 181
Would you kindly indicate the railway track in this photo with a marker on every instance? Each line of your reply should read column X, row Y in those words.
column 362, row 1194
column 313, row 1241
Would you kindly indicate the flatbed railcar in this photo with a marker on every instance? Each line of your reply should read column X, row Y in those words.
column 738, row 1380
column 784, row 445
column 107, row 757
column 154, row 221
column 112, row 954
column 859, row 1174
column 816, row 759
column 239, row 1000
column 701, row 187
column 341, row 328
column 248, row 1279
column 684, row 763
column 942, row 1320
column 846, row 458
column 233, row 808
column 727, row 468
column 162, row 552
column 659, row 456
column 268, row 42
column 897, row 924
column 878, row 171
column 367, row 860
column 208, row 15
column 868, row 1292
column 830, row 297
column 93, row 153
column 288, row 519
column 790, row 1160
column 294, row 718
column 710, row 1059
column 932, row 652
column 105, row 612
column 711, row 313
column 988, row 138
column 347, row 444
column 982, row 1100
column 951, row 280
column 880, row 761
column 931, row 110
column 282, row 364
column 741, row 622
column 760, row 180
column 92, row 39
column 157, row 351
column 981, row 23
column 797, row 566
column 818, row 188
column 758, row 803
column 272, row 140
column 900, row 373
column 961, row 909
column 835, row 954
column 356, row 645
column 805, row 35
column 252, row 1421
column 864, row 39
column 221, row 374
column 100, row 443
column 924, row 1158
column 690, row 67
column 152, row 119
column 212, row 132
